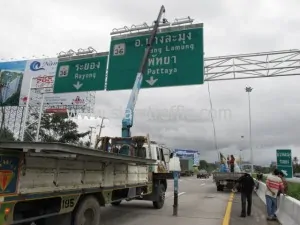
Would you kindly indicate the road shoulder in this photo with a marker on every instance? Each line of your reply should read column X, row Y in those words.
column 258, row 217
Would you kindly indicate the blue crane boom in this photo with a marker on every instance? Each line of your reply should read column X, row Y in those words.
column 127, row 121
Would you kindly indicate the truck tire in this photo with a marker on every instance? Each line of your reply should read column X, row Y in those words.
column 88, row 212
column 116, row 203
column 220, row 188
column 161, row 197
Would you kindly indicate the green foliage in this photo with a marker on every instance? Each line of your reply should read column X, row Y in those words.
column 6, row 135
column 262, row 169
column 209, row 167
column 55, row 128
column 296, row 165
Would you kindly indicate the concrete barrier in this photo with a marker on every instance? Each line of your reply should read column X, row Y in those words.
column 288, row 212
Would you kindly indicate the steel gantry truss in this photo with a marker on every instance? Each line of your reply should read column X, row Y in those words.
column 231, row 67
column 253, row 65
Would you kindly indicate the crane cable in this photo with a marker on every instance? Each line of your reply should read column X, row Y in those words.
column 212, row 120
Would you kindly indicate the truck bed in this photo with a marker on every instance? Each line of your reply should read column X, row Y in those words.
column 55, row 167
column 54, row 149
column 218, row 176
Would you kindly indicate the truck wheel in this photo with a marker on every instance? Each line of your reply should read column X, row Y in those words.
column 88, row 212
column 220, row 188
column 161, row 197
column 117, row 203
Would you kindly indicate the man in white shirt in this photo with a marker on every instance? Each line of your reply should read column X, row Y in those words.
column 273, row 185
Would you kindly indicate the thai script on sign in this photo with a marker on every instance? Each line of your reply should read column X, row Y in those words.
column 44, row 81
column 181, row 37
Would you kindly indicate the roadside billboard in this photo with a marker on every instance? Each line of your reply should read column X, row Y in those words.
column 44, row 70
column 11, row 76
column 188, row 154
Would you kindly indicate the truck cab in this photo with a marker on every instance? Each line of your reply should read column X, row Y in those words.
column 161, row 154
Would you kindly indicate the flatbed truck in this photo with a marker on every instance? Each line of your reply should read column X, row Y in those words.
column 226, row 180
column 55, row 183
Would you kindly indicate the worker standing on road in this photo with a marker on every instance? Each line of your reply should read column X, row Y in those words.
column 285, row 184
column 273, row 184
column 231, row 162
column 259, row 177
column 246, row 184
column 228, row 162
column 285, row 187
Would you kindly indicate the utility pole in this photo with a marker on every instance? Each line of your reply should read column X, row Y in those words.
column 248, row 90
column 98, row 136
column 101, row 126
column 91, row 132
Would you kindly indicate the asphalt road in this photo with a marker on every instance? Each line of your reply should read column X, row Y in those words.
column 258, row 215
column 199, row 203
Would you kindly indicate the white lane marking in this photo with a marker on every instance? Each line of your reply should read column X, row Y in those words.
column 181, row 193
column 202, row 184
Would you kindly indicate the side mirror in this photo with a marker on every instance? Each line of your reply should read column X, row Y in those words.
column 171, row 155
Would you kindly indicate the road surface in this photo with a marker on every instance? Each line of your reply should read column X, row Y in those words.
column 199, row 203
column 258, row 213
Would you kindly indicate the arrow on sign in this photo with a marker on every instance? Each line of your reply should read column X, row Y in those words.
column 284, row 172
column 78, row 85
column 151, row 81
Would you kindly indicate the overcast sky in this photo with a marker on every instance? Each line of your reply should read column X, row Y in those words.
column 178, row 117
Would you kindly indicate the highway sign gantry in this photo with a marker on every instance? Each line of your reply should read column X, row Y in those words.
column 81, row 75
column 176, row 59
column 284, row 162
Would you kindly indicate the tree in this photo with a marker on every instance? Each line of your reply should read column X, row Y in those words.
column 296, row 166
column 55, row 128
column 204, row 165
column 295, row 160
column 6, row 135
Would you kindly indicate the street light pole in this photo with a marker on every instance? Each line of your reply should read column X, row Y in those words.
column 241, row 152
column 248, row 90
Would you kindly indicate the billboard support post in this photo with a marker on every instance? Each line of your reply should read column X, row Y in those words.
column 26, row 111
column 40, row 118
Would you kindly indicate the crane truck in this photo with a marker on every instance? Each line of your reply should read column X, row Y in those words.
column 55, row 183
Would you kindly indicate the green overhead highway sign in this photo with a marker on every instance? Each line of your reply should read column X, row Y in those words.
column 176, row 59
column 287, row 171
column 284, row 161
column 80, row 75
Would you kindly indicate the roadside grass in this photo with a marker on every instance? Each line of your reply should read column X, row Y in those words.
column 293, row 188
